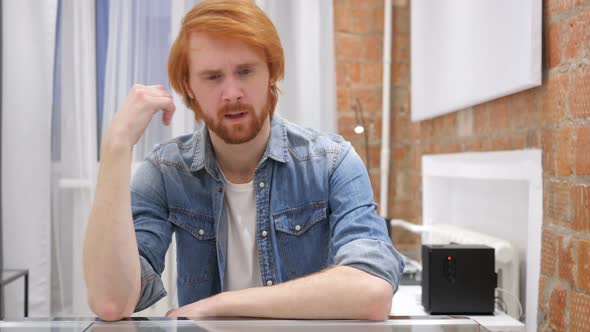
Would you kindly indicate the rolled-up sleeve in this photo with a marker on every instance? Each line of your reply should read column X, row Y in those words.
column 372, row 256
column 359, row 234
column 152, row 288
column 153, row 231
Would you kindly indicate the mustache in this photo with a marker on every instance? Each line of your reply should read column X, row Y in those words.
column 232, row 108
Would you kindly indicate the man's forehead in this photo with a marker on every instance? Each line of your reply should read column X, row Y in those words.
column 208, row 48
column 200, row 41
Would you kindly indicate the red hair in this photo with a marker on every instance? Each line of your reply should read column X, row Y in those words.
column 239, row 19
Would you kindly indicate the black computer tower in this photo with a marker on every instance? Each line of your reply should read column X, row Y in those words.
column 458, row 279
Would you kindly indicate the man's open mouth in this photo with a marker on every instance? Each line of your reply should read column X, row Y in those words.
column 235, row 115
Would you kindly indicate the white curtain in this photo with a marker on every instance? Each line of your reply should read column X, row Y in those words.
column 28, row 37
column 75, row 155
column 309, row 89
column 138, row 53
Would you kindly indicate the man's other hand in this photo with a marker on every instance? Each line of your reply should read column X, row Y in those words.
column 199, row 309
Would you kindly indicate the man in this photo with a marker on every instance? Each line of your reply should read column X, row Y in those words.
column 270, row 219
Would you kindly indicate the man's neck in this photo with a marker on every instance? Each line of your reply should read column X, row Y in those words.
column 238, row 161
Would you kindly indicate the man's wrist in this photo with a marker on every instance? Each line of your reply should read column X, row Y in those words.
column 113, row 144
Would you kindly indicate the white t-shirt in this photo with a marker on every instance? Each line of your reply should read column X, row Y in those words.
column 242, row 268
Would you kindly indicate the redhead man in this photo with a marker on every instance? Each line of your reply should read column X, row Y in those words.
column 270, row 219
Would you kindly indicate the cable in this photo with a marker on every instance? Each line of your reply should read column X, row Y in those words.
column 520, row 311
column 501, row 304
column 412, row 264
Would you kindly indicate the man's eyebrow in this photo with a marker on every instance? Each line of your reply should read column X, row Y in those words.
column 208, row 72
column 247, row 65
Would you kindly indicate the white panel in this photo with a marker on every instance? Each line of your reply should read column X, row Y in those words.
column 308, row 95
column 466, row 52
column 497, row 193
column 28, row 38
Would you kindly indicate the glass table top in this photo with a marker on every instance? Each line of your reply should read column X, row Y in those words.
column 401, row 324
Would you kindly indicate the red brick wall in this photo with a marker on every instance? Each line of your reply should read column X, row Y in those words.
column 359, row 50
column 554, row 117
column 358, row 37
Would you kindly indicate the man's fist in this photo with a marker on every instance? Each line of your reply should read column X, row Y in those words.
column 137, row 110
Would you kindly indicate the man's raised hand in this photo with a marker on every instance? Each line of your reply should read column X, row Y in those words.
column 137, row 110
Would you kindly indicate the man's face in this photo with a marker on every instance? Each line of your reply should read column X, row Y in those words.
column 230, row 81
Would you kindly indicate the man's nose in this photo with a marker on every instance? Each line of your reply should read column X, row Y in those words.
column 232, row 91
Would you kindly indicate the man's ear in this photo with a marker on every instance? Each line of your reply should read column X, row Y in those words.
column 187, row 87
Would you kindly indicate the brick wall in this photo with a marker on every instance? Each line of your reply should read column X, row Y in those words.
column 359, row 49
column 565, row 126
column 554, row 117
column 358, row 37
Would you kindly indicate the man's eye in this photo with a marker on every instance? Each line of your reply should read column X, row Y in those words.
column 245, row 71
column 213, row 77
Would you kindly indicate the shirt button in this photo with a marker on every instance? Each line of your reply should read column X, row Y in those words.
column 201, row 232
column 298, row 228
column 261, row 184
column 264, row 233
column 269, row 283
column 219, row 189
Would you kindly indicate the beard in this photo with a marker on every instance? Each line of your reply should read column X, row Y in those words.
column 242, row 132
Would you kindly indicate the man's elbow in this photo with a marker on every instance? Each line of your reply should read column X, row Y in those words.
column 379, row 297
column 109, row 311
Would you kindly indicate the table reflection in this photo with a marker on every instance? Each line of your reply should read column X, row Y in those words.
column 398, row 324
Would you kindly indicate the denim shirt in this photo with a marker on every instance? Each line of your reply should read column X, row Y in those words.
column 314, row 209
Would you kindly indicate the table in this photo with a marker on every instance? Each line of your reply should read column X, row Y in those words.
column 401, row 324
column 10, row 275
column 408, row 301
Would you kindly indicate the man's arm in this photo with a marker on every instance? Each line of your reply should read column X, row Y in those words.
column 340, row 292
column 111, row 258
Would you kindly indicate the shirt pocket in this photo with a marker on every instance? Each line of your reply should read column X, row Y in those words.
column 196, row 257
column 303, row 237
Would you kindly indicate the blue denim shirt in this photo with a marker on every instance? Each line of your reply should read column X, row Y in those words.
column 314, row 209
